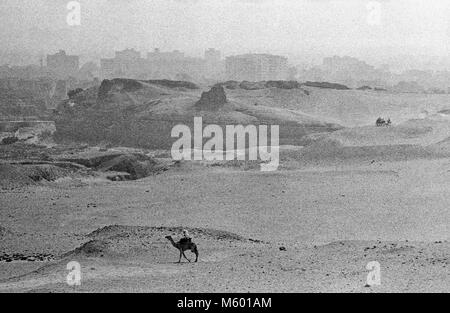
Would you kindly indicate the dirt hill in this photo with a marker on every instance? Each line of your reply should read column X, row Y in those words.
column 143, row 113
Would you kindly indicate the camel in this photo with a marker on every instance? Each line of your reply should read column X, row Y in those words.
column 183, row 245
column 381, row 122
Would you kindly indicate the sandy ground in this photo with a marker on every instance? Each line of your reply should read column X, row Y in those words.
column 331, row 220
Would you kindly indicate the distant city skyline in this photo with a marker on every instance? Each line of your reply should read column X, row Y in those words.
column 398, row 63
column 302, row 30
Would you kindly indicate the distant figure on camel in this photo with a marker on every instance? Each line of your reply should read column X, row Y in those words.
column 381, row 122
column 186, row 238
column 184, row 244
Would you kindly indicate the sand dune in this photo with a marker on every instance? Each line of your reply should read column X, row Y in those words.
column 135, row 260
column 348, row 107
column 343, row 197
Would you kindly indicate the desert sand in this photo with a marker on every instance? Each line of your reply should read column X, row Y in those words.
column 346, row 198
column 332, row 222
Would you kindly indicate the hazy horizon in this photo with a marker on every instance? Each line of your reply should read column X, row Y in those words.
column 304, row 30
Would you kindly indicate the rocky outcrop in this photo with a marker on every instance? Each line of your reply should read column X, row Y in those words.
column 252, row 85
column 134, row 165
column 213, row 99
column 119, row 85
column 231, row 84
column 16, row 176
column 174, row 84
column 246, row 85
column 146, row 117
column 283, row 84
column 137, row 165
column 326, row 85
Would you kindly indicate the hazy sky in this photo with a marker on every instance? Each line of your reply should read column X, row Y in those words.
column 297, row 27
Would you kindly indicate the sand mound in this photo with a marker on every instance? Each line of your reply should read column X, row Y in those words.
column 118, row 241
column 173, row 84
column 141, row 231
column 283, row 84
column 12, row 176
column 246, row 85
column 91, row 159
column 138, row 165
column 373, row 136
column 328, row 152
column 140, row 114
column 93, row 248
column 335, row 267
column 252, row 85
column 231, row 84
column 45, row 172
column 413, row 139
column 132, row 165
column 326, row 85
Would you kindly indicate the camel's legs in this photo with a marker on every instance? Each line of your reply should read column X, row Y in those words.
column 185, row 256
column 181, row 252
column 195, row 250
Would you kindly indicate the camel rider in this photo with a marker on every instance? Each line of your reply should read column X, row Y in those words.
column 186, row 237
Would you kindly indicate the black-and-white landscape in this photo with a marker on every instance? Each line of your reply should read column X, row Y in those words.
column 321, row 162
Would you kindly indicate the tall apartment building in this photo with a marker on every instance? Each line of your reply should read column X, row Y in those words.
column 351, row 72
column 161, row 65
column 212, row 55
column 256, row 67
column 128, row 55
column 157, row 55
column 125, row 64
column 62, row 65
column 213, row 64
column 175, row 65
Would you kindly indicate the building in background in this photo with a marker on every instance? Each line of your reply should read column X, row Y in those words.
column 256, row 67
column 158, row 56
column 173, row 65
column 348, row 71
column 214, row 66
column 107, row 68
column 63, row 66
column 127, row 63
